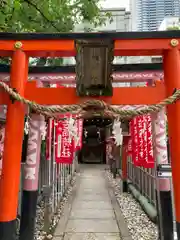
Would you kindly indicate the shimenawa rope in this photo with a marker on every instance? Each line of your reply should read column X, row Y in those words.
column 50, row 111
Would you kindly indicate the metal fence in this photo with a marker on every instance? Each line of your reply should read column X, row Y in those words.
column 143, row 179
column 54, row 180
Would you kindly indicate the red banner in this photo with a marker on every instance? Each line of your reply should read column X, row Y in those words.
column 129, row 147
column 150, row 158
column 134, row 135
column 145, row 148
column 2, row 135
column 142, row 146
column 49, row 140
column 64, row 151
column 79, row 132
column 140, row 140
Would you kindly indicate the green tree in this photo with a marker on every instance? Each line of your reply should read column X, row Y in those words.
column 173, row 28
column 48, row 16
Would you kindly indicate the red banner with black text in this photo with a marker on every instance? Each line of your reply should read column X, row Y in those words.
column 141, row 137
column 135, row 143
column 129, row 147
column 49, row 139
column 64, row 148
column 79, row 126
column 149, row 163
column 58, row 134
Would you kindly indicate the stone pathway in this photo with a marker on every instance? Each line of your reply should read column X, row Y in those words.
column 92, row 214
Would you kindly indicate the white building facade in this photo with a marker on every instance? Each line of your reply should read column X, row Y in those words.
column 147, row 15
column 120, row 20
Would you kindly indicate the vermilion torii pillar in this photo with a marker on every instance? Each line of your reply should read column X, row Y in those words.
column 172, row 82
column 14, row 131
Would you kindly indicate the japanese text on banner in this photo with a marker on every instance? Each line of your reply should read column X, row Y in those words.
column 65, row 145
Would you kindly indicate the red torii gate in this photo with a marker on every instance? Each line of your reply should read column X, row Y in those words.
column 21, row 46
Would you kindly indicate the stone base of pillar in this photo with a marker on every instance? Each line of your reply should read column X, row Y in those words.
column 178, row 230
column 124, row 186
column 28, row 215
column 166, row 215
column 8, row 230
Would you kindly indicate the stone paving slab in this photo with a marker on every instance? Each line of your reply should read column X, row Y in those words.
column 94, row 191
column 97, row 189
column 92, row 236
column 94, row 182
column 92, row 185
column 92, row 214
column 100, row 189
column 92, row 205
column 88, row 178
column 92, row 225
column 91, row 197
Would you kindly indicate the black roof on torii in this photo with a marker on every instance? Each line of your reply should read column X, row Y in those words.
column 92, row 35
column 71, row 69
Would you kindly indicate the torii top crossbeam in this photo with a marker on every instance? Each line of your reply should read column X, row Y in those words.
column 62, row 44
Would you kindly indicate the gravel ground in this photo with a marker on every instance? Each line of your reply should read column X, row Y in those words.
column 139, row 225
column 40, row 234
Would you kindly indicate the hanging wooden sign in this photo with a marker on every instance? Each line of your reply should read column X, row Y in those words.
column 94, row 67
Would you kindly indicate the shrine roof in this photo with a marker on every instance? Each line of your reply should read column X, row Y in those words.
column 92, row 35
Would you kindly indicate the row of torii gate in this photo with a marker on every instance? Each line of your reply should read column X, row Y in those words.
column 22, row 46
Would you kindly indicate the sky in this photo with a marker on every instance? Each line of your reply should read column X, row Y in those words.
column 115, row 3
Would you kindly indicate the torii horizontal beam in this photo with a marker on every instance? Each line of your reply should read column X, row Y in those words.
column 121, row 96
column 65, row 48
column 125, row 43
